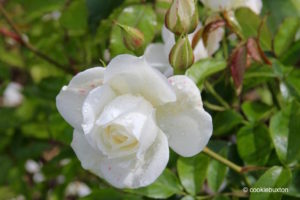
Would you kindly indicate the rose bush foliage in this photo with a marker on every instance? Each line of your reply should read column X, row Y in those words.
column 137, row 128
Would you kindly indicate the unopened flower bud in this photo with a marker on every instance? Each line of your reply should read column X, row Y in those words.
column 182, row 16
column 181, row 55
column 132, row 37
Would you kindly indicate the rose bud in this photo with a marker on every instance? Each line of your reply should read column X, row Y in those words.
column 181, row 55
column 133, row 38
column 182, row 16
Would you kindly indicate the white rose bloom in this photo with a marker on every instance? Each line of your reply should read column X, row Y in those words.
column 12, row 95
column 220, row 5
column 157, row 54
column 126, row 115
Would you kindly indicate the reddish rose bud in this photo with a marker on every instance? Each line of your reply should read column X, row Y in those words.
column 132, row 37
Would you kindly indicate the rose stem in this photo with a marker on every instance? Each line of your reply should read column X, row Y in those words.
column 212, row 91
column 26, row 44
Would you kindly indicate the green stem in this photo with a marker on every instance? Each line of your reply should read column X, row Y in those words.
column 225, row 48
column 213, row 106
column 223, row 160
column 211, row 90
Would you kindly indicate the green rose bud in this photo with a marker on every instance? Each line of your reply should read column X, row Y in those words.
column 182, row 16
column 133, row 38
column 181, row 55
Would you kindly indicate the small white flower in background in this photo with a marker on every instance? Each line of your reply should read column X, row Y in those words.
column 60, row 179
column 126, row 115
column 32, row 166
column 12, row 95
column 55, row 15
column 38, row 177
column 157, row 54
column 77, row 189
column 221, row 5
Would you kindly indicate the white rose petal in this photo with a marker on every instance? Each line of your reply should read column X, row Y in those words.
column 156, row 57
column 218, row 5
column 129, row 74
column 127, row 172
column 69, row 100
column 186, row 123
column 254, row 5
column 119, row 123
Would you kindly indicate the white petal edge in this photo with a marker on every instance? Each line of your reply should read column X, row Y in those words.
column 168, row 39
column 70, row 98
column 219, row 5
column 188, row 130
column 213, row 41
column 185, row 122
column 157, row 58
column 254, row 5
column 130, row 74
column 199, row 51
column 88, row 156
column 128, row 172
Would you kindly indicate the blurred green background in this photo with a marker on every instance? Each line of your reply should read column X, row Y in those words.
column 36, row 160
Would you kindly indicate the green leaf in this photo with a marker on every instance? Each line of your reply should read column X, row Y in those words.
column 205, row 68
column 35, row 130
column 225, row 121
column 256, row 111
column 6, row 165
column 256, row 75
column 192, row 172
column 285, row 35
column 35, row 8
column 250, row 23
column 254, row 144
column 284, row 128
column 99, row 10
column 221, row 198
column 165, row 186
column 188, row 198
column 141, row 17
column 11, row 58
column 277, row 10
column 6, row 193
column 217, row 171
column 111, row 194
column 292, row 82
column 294, row 187
column 7, row 118
column 291, row 56
column 74, row 18
column 276, row 177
